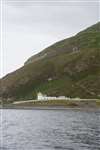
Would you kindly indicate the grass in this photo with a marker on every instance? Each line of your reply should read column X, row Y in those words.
column 65, row 103
column 70, row 72
column 98, row 102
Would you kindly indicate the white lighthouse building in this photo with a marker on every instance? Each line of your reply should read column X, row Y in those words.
column 41, row 96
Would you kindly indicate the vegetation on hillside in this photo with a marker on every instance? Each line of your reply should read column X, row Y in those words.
column 70, row 67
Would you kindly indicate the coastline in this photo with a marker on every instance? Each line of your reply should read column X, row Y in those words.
column 48, row 108
column 53, row 104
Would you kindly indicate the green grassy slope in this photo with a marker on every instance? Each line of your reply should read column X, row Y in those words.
column 73, row 65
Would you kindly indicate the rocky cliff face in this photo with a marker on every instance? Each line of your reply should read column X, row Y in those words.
column 73, row 64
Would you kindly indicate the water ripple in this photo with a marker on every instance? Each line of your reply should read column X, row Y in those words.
column 50, row 130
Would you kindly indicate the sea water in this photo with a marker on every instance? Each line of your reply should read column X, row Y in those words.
column 69, row 129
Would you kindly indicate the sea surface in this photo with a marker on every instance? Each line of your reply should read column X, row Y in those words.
column 69, row 129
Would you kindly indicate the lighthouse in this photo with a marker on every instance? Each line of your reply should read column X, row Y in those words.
column 40, row 96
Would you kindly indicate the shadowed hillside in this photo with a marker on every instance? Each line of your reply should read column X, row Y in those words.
column 70, row 67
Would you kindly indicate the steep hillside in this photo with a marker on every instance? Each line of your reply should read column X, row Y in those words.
column 70, row 67
column 88, row 38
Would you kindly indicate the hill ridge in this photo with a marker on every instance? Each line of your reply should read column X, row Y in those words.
column 72, row 64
